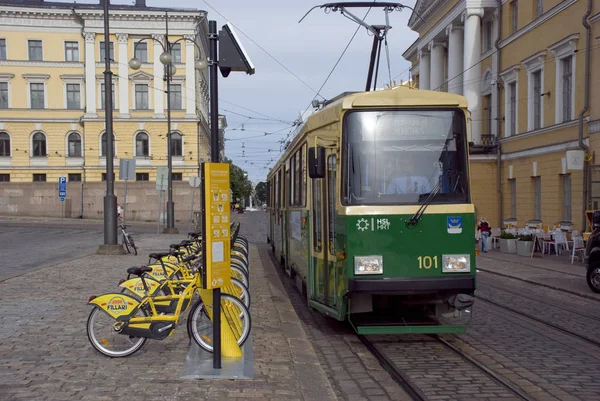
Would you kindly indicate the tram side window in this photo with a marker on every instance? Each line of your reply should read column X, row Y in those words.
column 268, row 193
column 317, row 215
column 331, row 190
column 292, row 182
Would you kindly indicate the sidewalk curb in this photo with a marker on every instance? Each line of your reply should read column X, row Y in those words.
column 580, row 294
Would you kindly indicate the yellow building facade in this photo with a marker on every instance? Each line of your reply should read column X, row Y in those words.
column 524, row 66
column 52, row 91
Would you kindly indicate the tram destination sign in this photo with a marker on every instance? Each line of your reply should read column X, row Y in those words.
column 216, row 236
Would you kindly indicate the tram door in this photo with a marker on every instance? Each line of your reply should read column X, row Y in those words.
column 323, row 234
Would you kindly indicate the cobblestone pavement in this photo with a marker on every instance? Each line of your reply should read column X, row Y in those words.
column 46, row 354
column 554, row 272
column 353, row 371
column 438, row 371
column 547, row 364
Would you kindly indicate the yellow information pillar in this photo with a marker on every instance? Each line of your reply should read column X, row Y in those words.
column 216, row 248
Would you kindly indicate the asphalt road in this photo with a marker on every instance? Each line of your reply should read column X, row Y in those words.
column 28, row 247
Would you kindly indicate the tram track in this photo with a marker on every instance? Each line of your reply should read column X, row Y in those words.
column 529, row 316
column 413, row 389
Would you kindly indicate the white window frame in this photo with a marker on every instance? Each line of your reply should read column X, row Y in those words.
column 78, row 51
column 73, row 80
column 31, row 156
column 67, row 145
column 7, row 78
column 136, row 46
column 5, row 160
column 533, row 64
column 115, row 94
column 177, row 157
column 37, row 79
column 101, row 46
column 560, row 51
column 485, row 37
column 509, row 76
column 100, row 155
column 135, row 134
column 35, row 40
column 6, row 47
column 177, row 80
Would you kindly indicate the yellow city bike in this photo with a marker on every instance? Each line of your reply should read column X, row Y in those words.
column 170, row 277
column 120, row 324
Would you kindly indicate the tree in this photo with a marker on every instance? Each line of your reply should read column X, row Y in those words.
column 261, row 192
column 240, row 184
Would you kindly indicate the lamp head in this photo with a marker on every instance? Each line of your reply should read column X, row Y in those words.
column 135, row 63
column 165, row 58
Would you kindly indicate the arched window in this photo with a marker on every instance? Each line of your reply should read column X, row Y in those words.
column 103, row 154
column 142, row 144
column 176, row 144
column 39, row 144
column 4, row 144
column 74, row 145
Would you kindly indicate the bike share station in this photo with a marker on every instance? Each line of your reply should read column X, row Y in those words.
column 228, row 360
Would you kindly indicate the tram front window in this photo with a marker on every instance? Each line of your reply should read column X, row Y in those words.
column 400, row 157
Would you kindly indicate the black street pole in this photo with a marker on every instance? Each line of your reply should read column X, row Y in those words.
column 110, row 200
column 214, row 157
column 170, row 229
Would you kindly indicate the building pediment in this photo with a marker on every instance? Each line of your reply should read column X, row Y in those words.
column 141, row 76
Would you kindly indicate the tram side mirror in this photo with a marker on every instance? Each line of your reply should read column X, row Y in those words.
column 596, row 219
column 316, row 162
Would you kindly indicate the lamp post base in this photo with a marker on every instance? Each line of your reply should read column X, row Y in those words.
column 171, row 230
column 111, row 249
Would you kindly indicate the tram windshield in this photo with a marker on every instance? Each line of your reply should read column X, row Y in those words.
column 400, row 157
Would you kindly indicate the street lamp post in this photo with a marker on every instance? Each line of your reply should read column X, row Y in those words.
column 166, row 60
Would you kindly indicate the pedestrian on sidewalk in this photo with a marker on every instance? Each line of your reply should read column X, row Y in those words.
column 485, row 230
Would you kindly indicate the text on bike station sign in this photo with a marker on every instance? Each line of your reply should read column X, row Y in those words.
column 216, row 236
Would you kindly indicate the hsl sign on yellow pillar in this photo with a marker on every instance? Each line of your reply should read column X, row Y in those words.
column 217, row 248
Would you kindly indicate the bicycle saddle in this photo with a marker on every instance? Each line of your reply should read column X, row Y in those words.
column 195, row 234
column 158, row 255
column 176, row 253
column 139, row 270
column 175, row 246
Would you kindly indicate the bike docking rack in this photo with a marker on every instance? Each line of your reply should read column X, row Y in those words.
column 152, row 301
column 237, row 362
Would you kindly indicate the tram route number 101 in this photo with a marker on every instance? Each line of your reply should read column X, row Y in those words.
column 427, row 262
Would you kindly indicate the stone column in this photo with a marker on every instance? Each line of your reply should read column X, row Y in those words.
column 159, row 71
column 437, row 65
column 190, row 77
column 424, row 69
column 472, row 76
column 90, row 74
column 123, row 76
column 455, row 58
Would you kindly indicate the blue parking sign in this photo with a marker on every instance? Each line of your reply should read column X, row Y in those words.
column 62, row 188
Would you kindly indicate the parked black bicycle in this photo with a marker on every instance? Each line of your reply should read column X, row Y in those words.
column 127, row 240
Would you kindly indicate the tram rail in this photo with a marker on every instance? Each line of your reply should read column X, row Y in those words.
column 413, row 389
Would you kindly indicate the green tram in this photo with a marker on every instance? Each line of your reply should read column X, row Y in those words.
column 370, row 211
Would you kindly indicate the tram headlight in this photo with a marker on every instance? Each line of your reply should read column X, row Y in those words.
column 456, row 264
column 368, row 264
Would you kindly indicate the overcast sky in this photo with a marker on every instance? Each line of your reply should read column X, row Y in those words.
column 309, row 49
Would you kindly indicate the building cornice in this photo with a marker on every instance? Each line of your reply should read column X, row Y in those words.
column 535, row 60
column 26, row 63
column 542, row 150
column 537, row 22
column 72, row 76
column 541, row 131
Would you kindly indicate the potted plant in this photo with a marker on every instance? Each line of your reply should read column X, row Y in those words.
column 525, row 245
column 508, row 242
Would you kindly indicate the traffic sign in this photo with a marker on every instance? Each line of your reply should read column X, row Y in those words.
column 195, row 182
column 62, row 188
column 127, row 169
column 162, row 178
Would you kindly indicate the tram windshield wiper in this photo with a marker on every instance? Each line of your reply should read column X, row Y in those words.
column 417, row 216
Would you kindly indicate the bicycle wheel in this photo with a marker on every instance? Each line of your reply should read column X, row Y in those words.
column 107, row 341
column 200, row 326
column 237, row 272
column 126, row 243
column 240, row 292
column 132, row 244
